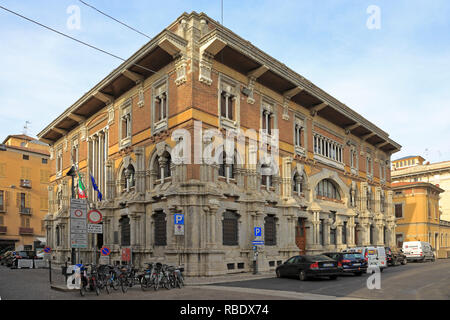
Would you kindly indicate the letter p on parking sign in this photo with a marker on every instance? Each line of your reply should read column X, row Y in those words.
column 179, row 218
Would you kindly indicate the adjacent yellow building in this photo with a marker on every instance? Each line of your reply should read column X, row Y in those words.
column 24, row 172
column 418, row 218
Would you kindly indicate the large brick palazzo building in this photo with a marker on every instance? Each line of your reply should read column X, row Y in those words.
column 332, row 189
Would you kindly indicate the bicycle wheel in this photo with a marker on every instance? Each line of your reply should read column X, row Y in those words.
column 82, row 291
column 115, row 283
column 144, row 284
column 156, row 284
column 124, row 285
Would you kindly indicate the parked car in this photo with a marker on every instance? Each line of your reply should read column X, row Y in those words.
column 375, row 256
column 353, row 262
column 395, row 256
column 13, row 259
column 418, row 251
column 306, row 266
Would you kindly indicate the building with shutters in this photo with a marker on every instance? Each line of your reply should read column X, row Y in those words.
column 418, row 217
column 24, row 177
column 326, row 188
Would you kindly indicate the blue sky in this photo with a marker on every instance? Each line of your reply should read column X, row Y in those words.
column 398, row 76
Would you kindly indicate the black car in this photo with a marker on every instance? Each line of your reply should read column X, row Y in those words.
column 349, row 262
column 395, row 256
column 307, row 266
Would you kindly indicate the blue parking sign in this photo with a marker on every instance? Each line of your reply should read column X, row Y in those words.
column 258, row 231
column 179, row 218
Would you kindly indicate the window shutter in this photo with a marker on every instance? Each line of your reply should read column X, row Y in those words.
column 270, row 238
column 27, row 200
column 223, row 111
column 125, row 231
column 6, row 199
column 18, row 199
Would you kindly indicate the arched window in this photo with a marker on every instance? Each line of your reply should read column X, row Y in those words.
column 297, row 184
column 128, row 179
column 266, row 176
column 326, row 188
column 162, row 166
column 226, row 169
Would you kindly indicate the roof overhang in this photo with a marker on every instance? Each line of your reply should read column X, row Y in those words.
column 157, row 53
column 242, row 56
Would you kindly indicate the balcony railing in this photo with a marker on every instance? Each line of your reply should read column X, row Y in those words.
column 3, row 229
column 24, row 183
column 26, row 211
column 26, row 230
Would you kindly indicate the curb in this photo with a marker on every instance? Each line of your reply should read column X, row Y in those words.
column 62, row 288
column 229, row 280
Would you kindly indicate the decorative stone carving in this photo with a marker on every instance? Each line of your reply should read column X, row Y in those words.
column 251, row 88
column 140, row 102
column 286, row 107
column 181, row 69
column 205, row 68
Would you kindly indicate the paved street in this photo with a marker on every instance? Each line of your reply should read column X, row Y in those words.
column 420, row 281
column 413, row 281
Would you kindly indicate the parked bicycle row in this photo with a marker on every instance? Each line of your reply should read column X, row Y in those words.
column 98, row 278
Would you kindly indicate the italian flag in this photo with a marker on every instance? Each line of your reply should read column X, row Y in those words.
column 81, row 188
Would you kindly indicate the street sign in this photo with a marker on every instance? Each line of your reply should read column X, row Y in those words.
column 258, row 231
column 179, row 218
column 179, row 230
column 94, row 228
column 94, row 216
column 258, row 243
column 78, row 223
column 105, row 251
column 126, row 255
column 47, row 249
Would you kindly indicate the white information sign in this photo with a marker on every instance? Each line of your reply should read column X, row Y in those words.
column 78, row 223
column 94, row 228
column 179, row 230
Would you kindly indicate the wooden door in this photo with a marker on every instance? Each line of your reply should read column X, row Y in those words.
column 300, row 235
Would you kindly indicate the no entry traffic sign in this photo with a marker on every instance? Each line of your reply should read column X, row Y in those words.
column 94, row 216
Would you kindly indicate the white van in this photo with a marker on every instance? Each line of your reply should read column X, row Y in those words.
column 418, row 251
column 375, row 256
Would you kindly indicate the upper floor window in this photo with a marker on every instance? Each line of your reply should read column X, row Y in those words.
column 297, row 184
column 228, row 101
column 74, row 151
column 369, row 166
column 353, row 158
column 125, row 124
column 25, row 157
column 44, row 161
column 268, row 117
column 59, row 162
column 160, row 105
column 327, row 148
column 125, row 231
column 326, row 188
column 266, row 176
column 398, row 208
column 226, row 166
column 2, row 201
column 382, row 202
column 128, row 179
column 162, row 166
column 299, row 134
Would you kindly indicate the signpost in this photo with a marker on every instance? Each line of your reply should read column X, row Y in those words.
column 78, row 224
column 257, row 242
column 179, row 224
column 104, row 257
column 94, row 216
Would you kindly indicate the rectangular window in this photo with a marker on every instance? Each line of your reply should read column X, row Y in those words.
column 25, row 157
column 160, row 105
column 270, row 238
column 344, row 233
column 230, row 228
column 160, row 229
column 399, row 240
column 2, row 201
column 226, row 105
column 44, row 161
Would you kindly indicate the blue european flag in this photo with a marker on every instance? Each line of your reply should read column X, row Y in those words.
column 94, row 185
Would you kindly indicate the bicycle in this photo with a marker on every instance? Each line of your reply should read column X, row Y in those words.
column 89, row 282
column 148, row 277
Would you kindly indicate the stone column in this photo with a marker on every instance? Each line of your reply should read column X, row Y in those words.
column 140, row 169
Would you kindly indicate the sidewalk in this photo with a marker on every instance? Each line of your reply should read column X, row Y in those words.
column 199, row 281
